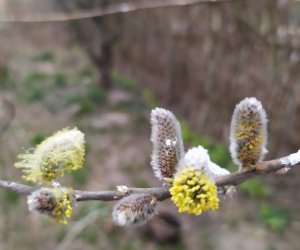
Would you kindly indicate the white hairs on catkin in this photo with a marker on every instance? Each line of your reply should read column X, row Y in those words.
column 248, row 133
column 42, row 201
column 167, row 143
column 135, row 209
column 198, row 158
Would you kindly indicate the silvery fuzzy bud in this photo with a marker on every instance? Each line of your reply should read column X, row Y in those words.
column 134, row 209
column 167, row 143
column 56, row 203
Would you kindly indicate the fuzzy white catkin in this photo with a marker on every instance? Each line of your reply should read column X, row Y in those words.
column 248, row 133
column 55, row 203
column 42, row 201
column 134, row 209
column 167, row 143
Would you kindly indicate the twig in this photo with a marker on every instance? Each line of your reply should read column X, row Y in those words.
column 162, row 193
column 17, row 187
column 108, row 10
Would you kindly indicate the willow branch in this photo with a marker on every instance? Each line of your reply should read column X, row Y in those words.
column 17, row 187
column 280, row 165
column 105, row 11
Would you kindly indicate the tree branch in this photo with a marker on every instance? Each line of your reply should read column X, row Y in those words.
column 17, row 187
column 162, row 193
column 105, row 11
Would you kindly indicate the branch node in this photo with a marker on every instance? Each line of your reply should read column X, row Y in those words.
column 122, row 189
column 261, row 167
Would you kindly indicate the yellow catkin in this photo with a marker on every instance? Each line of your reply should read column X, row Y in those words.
column 60, row 153
column 64, row 208
column 194, row 192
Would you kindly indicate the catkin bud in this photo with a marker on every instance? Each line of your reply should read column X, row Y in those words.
column 134, row 209
column 60, row 153
column 248, row 133
column 56, row 203
column 167, row 143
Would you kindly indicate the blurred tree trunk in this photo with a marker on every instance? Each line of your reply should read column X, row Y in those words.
column 97, row 35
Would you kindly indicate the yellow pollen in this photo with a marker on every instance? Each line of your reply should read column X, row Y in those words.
column 194, row 192
column 64, row 207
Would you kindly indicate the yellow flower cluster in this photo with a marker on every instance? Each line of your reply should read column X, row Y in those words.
column 64, row 204
column 194, row 192
column 62, row 152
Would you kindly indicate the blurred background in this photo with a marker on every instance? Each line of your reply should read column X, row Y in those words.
column 105, row 74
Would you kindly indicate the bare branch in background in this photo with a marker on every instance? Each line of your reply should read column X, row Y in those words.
column 162, row 193
column 105, row 11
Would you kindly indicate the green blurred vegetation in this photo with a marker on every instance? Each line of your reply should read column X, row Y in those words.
column 218, row 152
column 11, row 197
column 37, row 138
column 60, row 80
column 256, row 188
column 207, row 239
column 122, row 82
column 6, row 78
column 44, row 56
column 37, row 85
column 57, row 90
column 80, row 176
column 91, row 206
column 178, row 246
column 140, row 182
column 275, row 218
column 85, row 77
column 87, row 100
column 150, row 98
